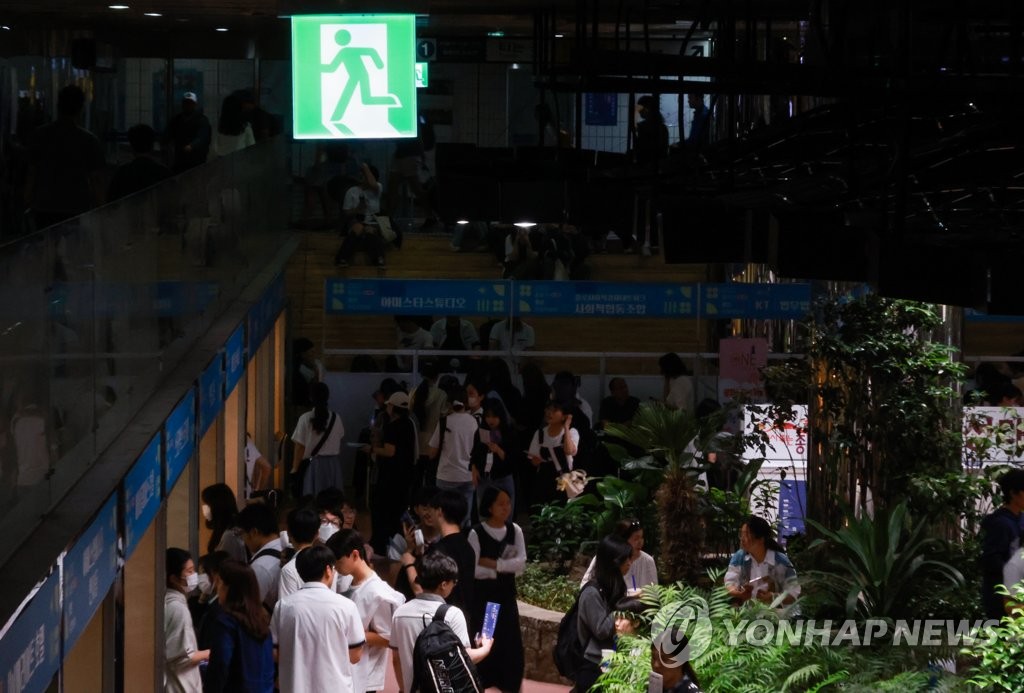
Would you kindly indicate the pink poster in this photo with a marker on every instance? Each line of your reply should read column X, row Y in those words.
column 740, row 363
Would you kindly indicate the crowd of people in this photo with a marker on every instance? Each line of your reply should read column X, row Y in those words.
column 306, row 610
column 451, row 462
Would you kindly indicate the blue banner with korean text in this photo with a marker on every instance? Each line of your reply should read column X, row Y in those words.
column 141, row 495
column 437, row 297
column 180, row 438
column 90, row 567
column 234, row 359
column 589, row 299
column 792, row 501
column 30, row 649
column 211, row 393
column 755, row 301
column 416, row 297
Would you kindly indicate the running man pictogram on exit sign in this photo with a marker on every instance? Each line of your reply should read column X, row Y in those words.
column 354, row 76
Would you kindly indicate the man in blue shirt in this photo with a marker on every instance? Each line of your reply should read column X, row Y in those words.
column 1000, row 538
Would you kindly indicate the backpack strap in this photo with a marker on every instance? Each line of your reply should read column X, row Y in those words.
column 442, row 427
column 324, row 437
column 441, row 612
column 276, row 553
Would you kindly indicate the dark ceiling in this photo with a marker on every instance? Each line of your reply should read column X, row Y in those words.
column 909, row 173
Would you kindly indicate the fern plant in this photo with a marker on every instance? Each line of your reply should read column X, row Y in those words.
column 878, row 564
column 726, row 661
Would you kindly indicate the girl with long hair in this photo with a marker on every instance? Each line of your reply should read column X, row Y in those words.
column 319, row 431
column 597, row 623
column 242, row 653
column 643, row 571
column 496, row 452
column 427, row 402
column 760, row 570
column 220, row 512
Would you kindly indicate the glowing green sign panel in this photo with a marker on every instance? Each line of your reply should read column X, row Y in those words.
column 354, row 76
column 422, row 75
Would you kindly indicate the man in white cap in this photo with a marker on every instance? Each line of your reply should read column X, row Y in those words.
column 189, row 135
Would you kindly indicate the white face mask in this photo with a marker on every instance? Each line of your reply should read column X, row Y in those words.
column 327, row 530
column 207, row 513
column 474, row 402
column 203, row 581
column 192, row 581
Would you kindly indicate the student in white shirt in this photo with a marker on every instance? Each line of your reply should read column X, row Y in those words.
column 552, row 450
column 436, row 573
column 258, row 523
column 303, row 525
column 317, row 632
column 182, row 654
column 454, row 470
column 376, row 602
column 643, row 571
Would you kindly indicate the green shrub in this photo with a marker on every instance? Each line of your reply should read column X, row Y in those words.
column 546, row 588
column 999, row 652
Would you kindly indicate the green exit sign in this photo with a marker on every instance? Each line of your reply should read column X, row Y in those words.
column 354, row 76
column 422, row 75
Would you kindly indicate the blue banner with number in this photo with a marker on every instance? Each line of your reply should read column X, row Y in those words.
column 90, row 567
column 180, row 438
column 417, row 297
column 211, row 393
column 141, row 495
column 30, row 650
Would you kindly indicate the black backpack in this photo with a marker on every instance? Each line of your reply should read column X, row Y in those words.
column 439, row 661
column 568, row 652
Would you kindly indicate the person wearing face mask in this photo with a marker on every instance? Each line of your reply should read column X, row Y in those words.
column 182, row 654
column 207, row 603
column 220, row 511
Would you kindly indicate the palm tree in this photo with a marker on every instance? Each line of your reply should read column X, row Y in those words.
column 666, row 435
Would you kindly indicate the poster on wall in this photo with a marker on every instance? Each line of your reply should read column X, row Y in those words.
column 740, row 361
column 787, row 439
column 601, row 109
column 993, row 435
column 90, row 567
